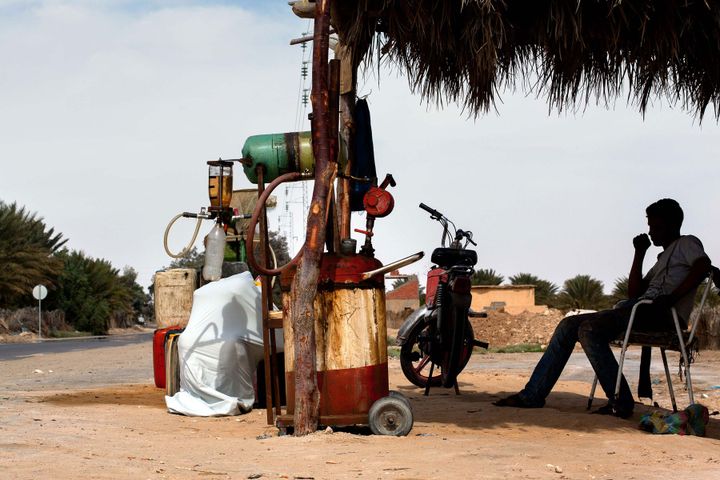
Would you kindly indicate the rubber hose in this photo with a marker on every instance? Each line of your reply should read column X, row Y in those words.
column 185, row 250
column 288, row 177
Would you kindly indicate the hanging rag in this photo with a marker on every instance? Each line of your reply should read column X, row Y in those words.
column 364, row 164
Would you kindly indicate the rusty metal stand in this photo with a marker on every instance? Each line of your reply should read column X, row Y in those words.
column 272, row 388
column 427, row 386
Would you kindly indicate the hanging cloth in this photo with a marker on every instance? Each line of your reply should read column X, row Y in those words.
column 364, row 164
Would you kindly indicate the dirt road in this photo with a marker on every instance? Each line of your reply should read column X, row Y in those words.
column 96, row 414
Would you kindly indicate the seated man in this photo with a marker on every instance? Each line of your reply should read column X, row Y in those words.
column 671, row 281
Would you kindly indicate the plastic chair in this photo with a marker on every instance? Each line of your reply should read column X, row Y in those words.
column 680, row 341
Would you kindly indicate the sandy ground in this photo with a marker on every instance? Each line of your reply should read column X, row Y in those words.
column 98, row 415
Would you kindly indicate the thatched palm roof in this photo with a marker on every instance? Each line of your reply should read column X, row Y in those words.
column 571, row 52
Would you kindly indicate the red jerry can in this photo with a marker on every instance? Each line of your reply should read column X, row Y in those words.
column 159, row 339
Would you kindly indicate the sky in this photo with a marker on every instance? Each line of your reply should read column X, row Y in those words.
column 109, row 111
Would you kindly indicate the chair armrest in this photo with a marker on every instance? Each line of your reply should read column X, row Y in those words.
column 676, row 321
column 631, row 321
column 635, row 307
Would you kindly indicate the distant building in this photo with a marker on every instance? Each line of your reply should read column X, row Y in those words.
column 401, row 302
column 513, row 299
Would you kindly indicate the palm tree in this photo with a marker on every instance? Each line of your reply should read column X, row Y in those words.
column 26, row 254
column 582, row 292
column 91, row 291
column 486, row 276
column 545, row 291
column 620, row 290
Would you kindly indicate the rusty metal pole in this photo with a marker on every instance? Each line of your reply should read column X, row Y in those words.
column 347, row 132
column 304, row 287
column 334, row 113
column 272, row 381
column 266, row 301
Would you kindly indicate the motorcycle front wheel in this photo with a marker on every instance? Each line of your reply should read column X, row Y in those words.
column 415, row 356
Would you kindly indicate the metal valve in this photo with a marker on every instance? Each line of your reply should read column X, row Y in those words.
column 378, row 202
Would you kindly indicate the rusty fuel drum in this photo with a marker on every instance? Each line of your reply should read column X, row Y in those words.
column 350, row 338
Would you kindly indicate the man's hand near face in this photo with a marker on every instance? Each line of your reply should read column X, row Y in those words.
column 641, row 242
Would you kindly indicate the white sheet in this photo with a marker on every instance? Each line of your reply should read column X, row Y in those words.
column 220, row 349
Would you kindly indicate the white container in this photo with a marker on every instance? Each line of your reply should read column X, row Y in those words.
column 214, row 254
column 173, row 297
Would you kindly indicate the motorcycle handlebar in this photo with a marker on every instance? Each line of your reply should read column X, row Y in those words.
column 460, row 234
column 439, row 216
column 431, row 211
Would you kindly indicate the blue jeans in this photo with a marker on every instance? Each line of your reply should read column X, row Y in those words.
column 594, row 331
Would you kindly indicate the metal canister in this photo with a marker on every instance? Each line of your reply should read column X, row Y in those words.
column 350, row 338
column 278, row 153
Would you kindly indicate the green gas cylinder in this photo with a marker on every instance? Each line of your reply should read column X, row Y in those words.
column 279, row 153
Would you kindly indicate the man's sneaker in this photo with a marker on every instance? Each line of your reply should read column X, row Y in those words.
column 515, row 401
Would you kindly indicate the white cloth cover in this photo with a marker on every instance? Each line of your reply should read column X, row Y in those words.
column 220, row 349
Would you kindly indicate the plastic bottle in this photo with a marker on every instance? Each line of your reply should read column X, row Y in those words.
column 214, row 254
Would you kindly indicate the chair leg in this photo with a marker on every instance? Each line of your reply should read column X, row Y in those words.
column 592, row 393
column 689, row 382
column 688, row 378
column 683, row 351
column 620, row 370
column 669, row 379
column 626, row 340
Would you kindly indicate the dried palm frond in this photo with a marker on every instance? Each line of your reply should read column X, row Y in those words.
column 571, row 52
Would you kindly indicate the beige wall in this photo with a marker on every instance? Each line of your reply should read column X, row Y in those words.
column 398, row 311
column 517, row 298
column 399, row 306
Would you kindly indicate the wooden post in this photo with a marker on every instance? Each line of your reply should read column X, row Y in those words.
column 304, row 286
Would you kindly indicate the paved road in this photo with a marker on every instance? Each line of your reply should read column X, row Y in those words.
column 14, row 351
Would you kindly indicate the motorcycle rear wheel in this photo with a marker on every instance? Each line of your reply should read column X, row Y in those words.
column 415, row 356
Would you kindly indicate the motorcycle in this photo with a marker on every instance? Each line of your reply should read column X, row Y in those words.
column 440, row 334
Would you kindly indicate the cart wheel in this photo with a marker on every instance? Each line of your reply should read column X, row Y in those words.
column 396, row 394
column 390, row 416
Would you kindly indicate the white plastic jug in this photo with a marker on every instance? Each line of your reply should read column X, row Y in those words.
column 214, row 254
